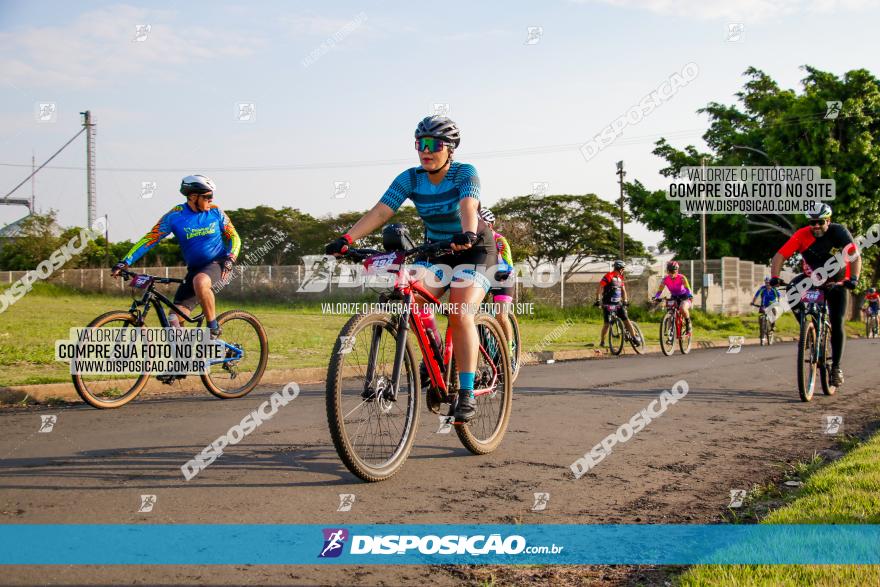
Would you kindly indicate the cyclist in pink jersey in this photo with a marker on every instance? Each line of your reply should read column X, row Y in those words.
column 679, row 290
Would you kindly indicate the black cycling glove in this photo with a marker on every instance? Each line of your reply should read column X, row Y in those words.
column 464, row 238
column 338, row 246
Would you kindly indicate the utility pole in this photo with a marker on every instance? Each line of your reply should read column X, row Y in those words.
column 33, row 179
column 90, row 166
column 621, row 173
column 703, row 247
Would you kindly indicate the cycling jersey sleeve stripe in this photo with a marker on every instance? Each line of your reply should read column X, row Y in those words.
column 152, row 238
column 231, row 236
column 401, row 188
column 467, row 181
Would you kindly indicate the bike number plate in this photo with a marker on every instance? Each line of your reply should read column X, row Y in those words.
column 671, row 304
column 814, row 295
column 141, row 281
column 381, row 263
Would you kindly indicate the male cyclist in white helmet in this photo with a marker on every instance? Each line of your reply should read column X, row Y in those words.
column 207, row 239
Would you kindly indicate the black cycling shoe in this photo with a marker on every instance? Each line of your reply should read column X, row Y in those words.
column 169, row 379
column 466, row 408
column 836, row 376
column 216, row 332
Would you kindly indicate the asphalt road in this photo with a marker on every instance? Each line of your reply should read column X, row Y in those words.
column 740, row 423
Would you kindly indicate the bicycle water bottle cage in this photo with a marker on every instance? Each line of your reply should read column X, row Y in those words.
column 385, row 297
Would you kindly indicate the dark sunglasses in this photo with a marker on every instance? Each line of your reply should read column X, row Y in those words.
column 818, row 222
column 434, row 145
column 208, row 197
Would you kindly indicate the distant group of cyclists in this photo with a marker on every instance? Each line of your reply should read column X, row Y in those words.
column 446, row 195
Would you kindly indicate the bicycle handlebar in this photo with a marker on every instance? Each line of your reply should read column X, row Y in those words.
column 436, row 248
column 126, row 275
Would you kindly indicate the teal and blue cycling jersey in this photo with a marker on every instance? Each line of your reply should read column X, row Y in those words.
column 203, row 236
column 769, row 295
column 437, row 205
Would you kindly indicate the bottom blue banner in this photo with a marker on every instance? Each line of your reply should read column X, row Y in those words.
column 276, row 544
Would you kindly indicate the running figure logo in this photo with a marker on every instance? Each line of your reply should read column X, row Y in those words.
column 334, row 540
column 832, row 109
column 346, row 500
column 735, row 344
column 147, row 504
column 833, row 424
column 47, row 423
column 445, row 424
column 737, row 496
column 541, row 501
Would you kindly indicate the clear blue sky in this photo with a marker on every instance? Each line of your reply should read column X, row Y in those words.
column 166, row 106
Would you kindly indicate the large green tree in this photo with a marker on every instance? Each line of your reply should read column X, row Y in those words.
column 576, row 228
column 774, row 126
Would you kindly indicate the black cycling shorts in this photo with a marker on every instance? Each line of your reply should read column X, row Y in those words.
column 186, row 295
column 620, row 311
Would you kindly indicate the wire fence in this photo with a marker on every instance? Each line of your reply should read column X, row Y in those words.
column 734, row 283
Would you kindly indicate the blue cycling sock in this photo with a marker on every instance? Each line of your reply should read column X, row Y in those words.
column 466, row 383
column 213, row 324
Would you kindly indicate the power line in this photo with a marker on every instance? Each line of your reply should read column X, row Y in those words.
column 522, row 151
column 622, row 141
column 24, row 181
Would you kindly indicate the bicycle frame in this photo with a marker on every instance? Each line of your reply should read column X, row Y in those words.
column 439, row 374
column 158, row 300
column 817, row 311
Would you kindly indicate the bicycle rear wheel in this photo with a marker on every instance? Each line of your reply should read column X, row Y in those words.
column 639, row 347
column 684, row 339
column 806, row 371
column 247, row 352
column 110, row 391
column 373, row 432
column 825, row 362
column 667, row 334
column 484, row 433
column 615, row 336
column 516, row 347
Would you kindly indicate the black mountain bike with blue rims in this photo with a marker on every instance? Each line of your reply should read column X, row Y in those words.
column 246, row 348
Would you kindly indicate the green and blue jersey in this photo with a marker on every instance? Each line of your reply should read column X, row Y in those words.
column 203, row 236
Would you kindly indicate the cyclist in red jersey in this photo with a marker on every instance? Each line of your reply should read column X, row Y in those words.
column 612, row 292
column 872, row 302
column 818, row 243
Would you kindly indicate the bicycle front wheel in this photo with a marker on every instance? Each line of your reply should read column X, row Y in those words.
column 247, row 352
column 615, row 336
column 372, row 429
column 110, row 391
column 667, row 334
column 807, row 350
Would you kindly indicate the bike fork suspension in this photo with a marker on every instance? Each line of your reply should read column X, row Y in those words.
column 400, row 347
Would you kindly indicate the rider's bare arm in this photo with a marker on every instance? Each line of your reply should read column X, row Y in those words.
column 776, row 264
column 469, row 219
column 371, row 221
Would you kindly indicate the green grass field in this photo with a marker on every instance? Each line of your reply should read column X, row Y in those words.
column 845, row 492
column 299, row 335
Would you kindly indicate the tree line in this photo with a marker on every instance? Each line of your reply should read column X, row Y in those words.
column 540, row 229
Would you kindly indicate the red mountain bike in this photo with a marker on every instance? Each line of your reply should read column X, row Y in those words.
column 672, row 327
column 374, row 380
